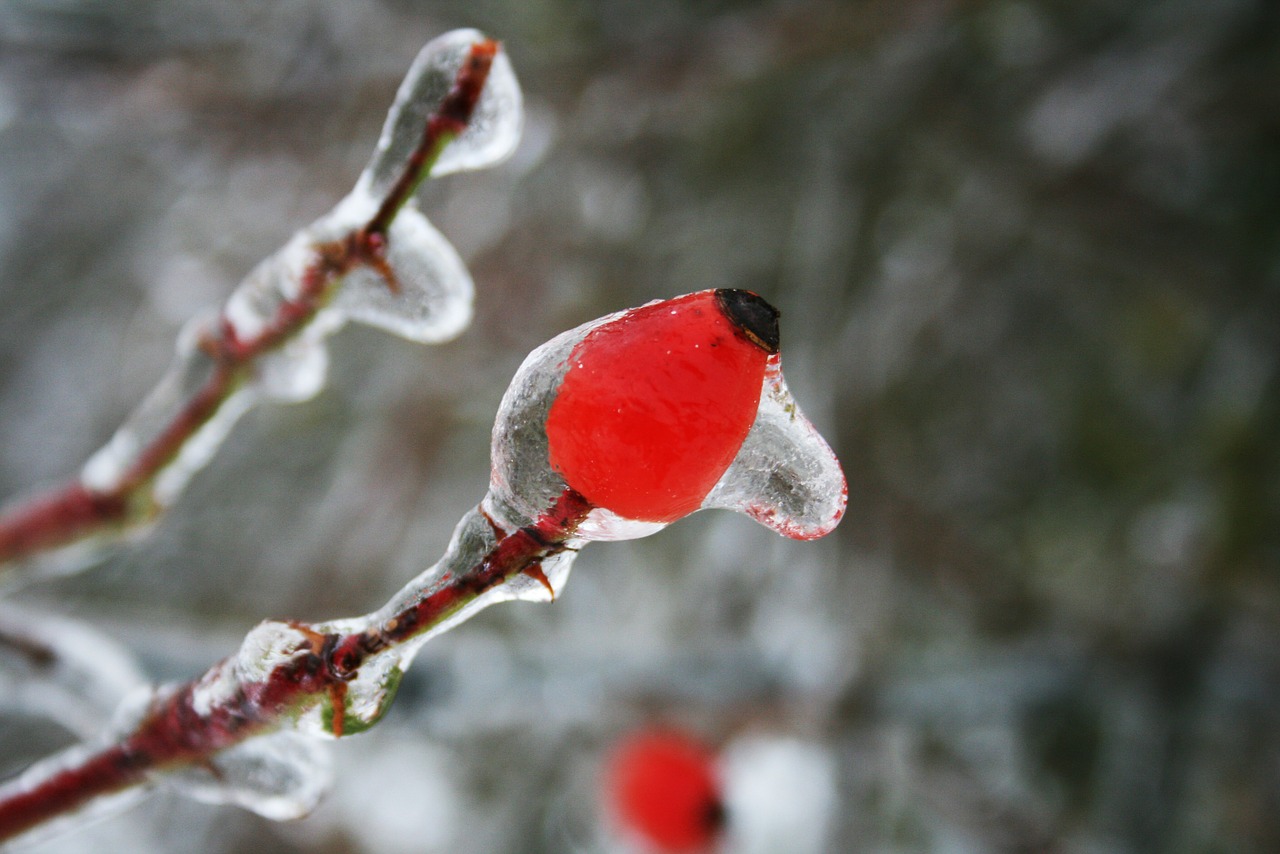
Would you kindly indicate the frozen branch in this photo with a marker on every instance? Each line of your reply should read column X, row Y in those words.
column 334, row 678
column 610, row 431
column 374, row 259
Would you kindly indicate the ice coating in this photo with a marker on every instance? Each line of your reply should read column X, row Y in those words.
column 416, row 287
column 294, row 373
column 99, row 808
column 278, row 776
column 370, row 691
column 778, row 470
column 423, row 292
column 490, row 136
column 273, row 282
column 785, row 475
column 432, row 295
column 193, row 370
column 522, row 482
column 654, row 406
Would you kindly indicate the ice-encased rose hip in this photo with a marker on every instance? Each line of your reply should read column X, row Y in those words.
column 655, row 405
column 653, row 413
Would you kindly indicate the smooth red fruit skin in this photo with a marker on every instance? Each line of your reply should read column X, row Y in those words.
column 663, row 787
column 654, row 407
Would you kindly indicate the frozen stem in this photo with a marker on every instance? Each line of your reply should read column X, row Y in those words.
column 683, row 363
column 81, row 511
column 295, row 675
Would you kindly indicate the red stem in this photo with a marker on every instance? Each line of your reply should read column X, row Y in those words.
column 173, row 733
column 74, row 512
column 450, row 119
column 54, row 520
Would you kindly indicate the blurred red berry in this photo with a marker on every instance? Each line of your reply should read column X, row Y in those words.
column 664, row 788
column 656, row 404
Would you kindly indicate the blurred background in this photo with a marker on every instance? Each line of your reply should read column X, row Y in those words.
column 1028, row 261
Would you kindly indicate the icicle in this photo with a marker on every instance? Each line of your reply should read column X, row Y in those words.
column 429, row 296
column 295, row 372
column 279, row 776
column 269, row 645
column 489, row 138
column 785, row 476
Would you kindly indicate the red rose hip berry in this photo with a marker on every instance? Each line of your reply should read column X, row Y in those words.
column 664, row 788
column 656, row 404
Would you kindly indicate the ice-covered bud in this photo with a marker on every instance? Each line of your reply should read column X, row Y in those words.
column 490, row 135
column 654, row 413
column 432, row 294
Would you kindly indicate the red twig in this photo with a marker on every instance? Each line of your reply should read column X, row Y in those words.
column 75, row 512
column 175, row 733
column 450, row 119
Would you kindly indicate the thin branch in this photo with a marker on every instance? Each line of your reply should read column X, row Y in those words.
column 186, row 727
column 76, row 512
column 449, row 120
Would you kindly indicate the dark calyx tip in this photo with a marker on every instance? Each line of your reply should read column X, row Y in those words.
column 753, row 316
column 715, row 815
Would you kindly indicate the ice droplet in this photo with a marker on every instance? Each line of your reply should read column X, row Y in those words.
column 604, row 525
column 279, row 776
column 785, row 475
column 294, row 372
column 269, row 645
column 490, row 137
column 432, row 299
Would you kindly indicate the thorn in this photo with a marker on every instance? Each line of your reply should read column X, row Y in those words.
column 338, row 705
column 499, row 533
column 534, row 571
column 317, row 640
column 388, row 275
column 222, row 344
column 372, row 249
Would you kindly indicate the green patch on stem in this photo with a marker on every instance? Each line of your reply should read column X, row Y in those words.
column 353, row 724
